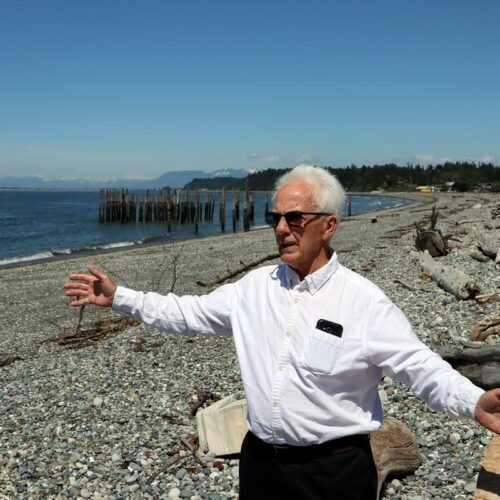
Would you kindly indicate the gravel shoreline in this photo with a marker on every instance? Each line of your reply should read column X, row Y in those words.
column 106, row 419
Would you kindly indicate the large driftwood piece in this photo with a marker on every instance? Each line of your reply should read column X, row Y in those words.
column 452, row 280
column 431, row 239
column 486, row 327
column 481, row 366
column 489, row 252
column 222, row 427
column 488, row 480
column 395, row 450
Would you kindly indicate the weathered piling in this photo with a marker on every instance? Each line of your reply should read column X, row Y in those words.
column 236, row 210
column 222, row 211
column 117, row 205
column 196, row 212
column 246, row 208
column 175, row 206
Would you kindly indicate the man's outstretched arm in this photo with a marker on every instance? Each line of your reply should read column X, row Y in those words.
column 95, row 288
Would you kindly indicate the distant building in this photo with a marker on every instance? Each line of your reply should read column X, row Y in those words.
column 428, row 189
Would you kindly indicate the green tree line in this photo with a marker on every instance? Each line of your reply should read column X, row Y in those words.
column 466, row 176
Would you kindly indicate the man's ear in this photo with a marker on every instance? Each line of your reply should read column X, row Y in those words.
column 330, row 225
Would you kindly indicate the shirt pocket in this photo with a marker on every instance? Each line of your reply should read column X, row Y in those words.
column 321, row 352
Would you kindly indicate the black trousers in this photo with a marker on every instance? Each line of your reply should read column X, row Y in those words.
column 340, row 470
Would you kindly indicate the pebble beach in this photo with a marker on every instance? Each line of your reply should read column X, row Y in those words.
column 109, row 418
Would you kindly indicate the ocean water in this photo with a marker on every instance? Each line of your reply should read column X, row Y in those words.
column 36, row 225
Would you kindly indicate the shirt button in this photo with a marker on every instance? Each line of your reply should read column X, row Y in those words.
column 275, row 404
column 288, row 334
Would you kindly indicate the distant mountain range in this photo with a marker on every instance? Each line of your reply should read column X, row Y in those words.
column 173, row 179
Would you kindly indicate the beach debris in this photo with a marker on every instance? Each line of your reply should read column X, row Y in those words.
column 395, row 451
column 487, row 298
column 488, row 251
column 397, row 233
column 454, row 281
column 366, row 267
column 244, row 267
column 96, row 331
column 481, row 365
column 138, row 344
column 177, row 456
column 431, row 239
column 495, row 212
column 405, row 285
column 222, row 426
column 202, row 398
column 488, row 480
column 480, row 257
column 486, row 327
column 468, row 221
column 9, row 360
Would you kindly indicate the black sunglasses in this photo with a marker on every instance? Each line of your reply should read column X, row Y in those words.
column 293, row 218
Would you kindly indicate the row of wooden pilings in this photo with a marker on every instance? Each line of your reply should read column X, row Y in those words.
column 174, row 206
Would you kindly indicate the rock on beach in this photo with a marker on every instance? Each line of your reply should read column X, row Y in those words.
column 108, row 419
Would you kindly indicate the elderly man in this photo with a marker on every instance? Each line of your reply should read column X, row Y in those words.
column 313, row 340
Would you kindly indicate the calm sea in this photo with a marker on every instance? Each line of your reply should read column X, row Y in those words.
column 37, row 225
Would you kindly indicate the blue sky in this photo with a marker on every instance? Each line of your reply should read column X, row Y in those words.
column 110, row 89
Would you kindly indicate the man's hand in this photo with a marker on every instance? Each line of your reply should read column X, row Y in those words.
column 94, row 288
column 488, row 410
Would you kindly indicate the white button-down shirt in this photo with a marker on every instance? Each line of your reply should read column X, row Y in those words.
column 303, row 385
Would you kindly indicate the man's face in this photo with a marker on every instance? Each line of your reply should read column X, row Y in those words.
column 304, row 248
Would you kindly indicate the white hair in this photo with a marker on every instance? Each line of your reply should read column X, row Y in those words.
column 328, row 193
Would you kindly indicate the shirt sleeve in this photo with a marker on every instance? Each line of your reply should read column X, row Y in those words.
column 392, row 345
column 206, row 314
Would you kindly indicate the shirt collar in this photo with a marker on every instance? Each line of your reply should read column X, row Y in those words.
column 314, row 281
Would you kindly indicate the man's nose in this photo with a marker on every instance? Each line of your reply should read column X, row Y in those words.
column 282, row 226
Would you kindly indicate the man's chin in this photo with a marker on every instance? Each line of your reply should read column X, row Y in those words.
column 286, row 257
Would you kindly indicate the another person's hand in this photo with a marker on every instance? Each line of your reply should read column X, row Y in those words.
column 488, row 410
column 94, row 288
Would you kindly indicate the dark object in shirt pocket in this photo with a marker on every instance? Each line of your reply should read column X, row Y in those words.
column 330, row 327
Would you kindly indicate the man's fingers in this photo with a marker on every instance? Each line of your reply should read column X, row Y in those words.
column 79, row 303
column 72, row 284
column 96, row 272
column 85, row 278
column 75, row 292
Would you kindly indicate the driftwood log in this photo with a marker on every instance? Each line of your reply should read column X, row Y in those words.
column 479, row 256
column 486, row 327
column 452, row 280
column 431, row 239
column 488, row 251
column 487, row 298
column 481, row 366
column 488, row 480
column 395, row 451
column 222, row 427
